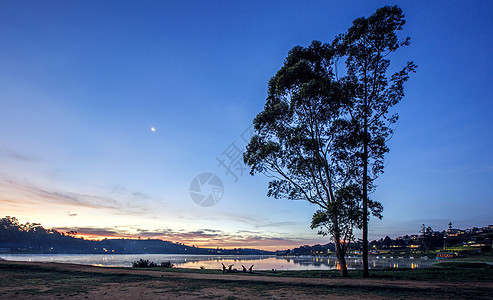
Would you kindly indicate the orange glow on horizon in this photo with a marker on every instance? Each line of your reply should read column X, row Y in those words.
column 202, row 243
column 224, row 240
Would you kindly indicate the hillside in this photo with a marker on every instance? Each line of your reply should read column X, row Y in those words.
column 33, row 238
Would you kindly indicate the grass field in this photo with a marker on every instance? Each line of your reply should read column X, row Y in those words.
column 445, row 271
column 478, row 258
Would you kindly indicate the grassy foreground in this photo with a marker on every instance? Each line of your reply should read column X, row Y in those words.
column 445, row 271
column 23, row 280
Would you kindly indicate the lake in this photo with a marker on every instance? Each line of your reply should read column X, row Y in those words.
column 266, row 262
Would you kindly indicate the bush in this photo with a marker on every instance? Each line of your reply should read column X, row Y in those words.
column 143, row 263
column 167, row 264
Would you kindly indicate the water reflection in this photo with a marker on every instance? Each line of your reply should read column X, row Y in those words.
column 215, row 261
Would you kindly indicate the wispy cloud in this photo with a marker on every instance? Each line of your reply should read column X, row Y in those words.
column 93, row 231
column 276, row 224
column 122, row 190
column 18, row 156
column 36, row 193
column 202, row 237
column 120, row 200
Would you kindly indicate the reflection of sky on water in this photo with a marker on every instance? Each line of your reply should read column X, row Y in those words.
column 214, row 262
column 301, row 263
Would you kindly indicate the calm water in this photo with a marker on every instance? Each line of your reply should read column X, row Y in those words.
column 214, row 261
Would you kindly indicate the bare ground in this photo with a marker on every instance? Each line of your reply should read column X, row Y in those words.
column 90, row 282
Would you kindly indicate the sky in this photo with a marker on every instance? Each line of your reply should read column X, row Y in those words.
column 110, row 109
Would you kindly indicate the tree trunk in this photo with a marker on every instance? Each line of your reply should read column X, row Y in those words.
column 341, row 258
column 366, row 273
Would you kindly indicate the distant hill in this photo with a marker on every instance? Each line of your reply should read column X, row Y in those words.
column 33, row 238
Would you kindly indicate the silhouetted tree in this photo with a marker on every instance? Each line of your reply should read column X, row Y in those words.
column 426, row 236
column 298, row 142
column 319, row 134
column 387, row 241
column 365, row 48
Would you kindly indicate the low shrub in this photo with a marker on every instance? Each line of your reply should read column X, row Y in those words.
column 167, row 264
column 143, row 263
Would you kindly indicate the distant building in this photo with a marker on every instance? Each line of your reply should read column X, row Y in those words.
column 452, row 232
column 445, row 255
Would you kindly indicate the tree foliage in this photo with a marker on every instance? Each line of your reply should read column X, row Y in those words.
column 365, row 48
column 296, row 128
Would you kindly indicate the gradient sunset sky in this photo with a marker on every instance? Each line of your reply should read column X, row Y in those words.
column 83, row 82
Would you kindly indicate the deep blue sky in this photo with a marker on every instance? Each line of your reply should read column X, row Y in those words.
column 82, row 83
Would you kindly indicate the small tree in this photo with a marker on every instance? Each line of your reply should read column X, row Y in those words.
column 340, row 220
column 426, row 233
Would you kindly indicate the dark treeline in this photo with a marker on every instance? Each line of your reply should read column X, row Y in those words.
column 427, row 239
column 33, row 238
